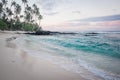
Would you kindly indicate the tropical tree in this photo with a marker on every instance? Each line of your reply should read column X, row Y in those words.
column 9, row 14
column 34, row 11
column 1, row 9
column 13, row 3
column 28, row 13
column 17, row 11
column 4, row 2
column 27, row 16
column 39, row 18
column 25, row 2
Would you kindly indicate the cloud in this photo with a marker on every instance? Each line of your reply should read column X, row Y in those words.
column 102, row 18
column 51, row 4
column 77, row 12
column 47, row 4
column 51, row 13
column 109, row 23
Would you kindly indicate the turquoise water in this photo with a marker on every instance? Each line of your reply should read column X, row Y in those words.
column 100, row 53
column 103, row 44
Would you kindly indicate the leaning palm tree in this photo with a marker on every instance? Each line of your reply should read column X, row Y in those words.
column 34, row 11
column 27, row 17
column 29, row 11
column 39, row 18
column 4, row 2
column 1, row 9
column 9, row 14
column 25, row 3
column 17, row 11
column 13, row 3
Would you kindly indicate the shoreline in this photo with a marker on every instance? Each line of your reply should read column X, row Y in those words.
column 16, row 64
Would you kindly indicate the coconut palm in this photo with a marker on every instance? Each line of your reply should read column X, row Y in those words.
column 29, row 13
column 25, row 3
column 17, row 11
column 39, row 18
column 4, row 2
column 1, row 9
column 34, row 11
column 34, row 6
column 27, row 17
column 9, row 14
column 13, row 3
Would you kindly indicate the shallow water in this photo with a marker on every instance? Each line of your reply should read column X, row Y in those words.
column 100, row 54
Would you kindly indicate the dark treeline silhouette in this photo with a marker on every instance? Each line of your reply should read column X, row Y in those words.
column 14, row 18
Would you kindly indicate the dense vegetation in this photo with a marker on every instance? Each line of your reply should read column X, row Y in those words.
column 12, row 17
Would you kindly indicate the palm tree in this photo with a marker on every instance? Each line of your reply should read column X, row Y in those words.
column 29, row 13
column 13, row 3
column 25, row 3
column 17, row 11
column 1, row 9
column 9, row 14
column 4, row 2
column 34, row 11
column 27, row 17
column 39, row 18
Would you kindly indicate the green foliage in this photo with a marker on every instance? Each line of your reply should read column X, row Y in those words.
column 27, row 27
column 18, row 25
column 3, row 25
column 11, row 17
column 35, row 27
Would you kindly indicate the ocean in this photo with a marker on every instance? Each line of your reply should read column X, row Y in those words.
column 80, row 53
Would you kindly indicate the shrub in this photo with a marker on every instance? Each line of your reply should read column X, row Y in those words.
column 27, row 27
column 3, row 25
column 17, row 26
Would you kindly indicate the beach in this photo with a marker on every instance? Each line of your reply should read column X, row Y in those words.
column 59, row 56
column 16, row 64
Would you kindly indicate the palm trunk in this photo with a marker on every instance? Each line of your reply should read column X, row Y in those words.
column 11, row 17
column 24, row 18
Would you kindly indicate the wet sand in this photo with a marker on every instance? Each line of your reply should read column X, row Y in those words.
column 16, row 64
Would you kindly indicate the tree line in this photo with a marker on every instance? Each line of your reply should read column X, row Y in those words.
column 13, row 17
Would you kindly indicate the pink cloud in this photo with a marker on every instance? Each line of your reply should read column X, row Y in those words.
column 108, row 23
column 79, row 26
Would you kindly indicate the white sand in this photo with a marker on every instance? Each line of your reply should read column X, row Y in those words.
column 16, row 64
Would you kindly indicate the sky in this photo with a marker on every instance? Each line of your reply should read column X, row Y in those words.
column 79, row 15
